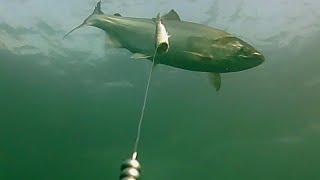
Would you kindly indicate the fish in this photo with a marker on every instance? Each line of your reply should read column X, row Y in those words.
column 193, row 46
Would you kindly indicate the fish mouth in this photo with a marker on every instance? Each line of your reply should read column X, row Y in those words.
column 250, row 59
column 248, row 53
column 258, row 57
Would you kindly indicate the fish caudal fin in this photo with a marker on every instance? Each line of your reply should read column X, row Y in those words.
column 97, row 10
column 215, row 80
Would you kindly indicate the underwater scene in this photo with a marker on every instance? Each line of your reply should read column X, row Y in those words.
column 234, row 89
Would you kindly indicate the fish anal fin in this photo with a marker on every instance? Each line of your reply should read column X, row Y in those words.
column 215, row 80
column 172, row 15
column 140, row 56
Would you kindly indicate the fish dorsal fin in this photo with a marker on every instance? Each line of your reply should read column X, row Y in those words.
column 215, row 80
column 172, row 15
column 97, row 9
column 117, row 14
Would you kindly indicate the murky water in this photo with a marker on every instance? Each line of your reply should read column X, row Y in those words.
column 69, row 108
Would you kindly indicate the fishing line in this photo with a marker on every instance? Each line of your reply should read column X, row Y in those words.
column 131, row 169
column 136, row 144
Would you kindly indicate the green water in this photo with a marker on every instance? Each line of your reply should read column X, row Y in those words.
column 69, row 108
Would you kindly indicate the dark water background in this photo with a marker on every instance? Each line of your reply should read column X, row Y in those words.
column 69, row 108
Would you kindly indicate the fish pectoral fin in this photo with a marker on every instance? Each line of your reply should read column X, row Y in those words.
column 140, row 56
column 172, row 15
column 215, row 80
column 117, row 14
column 194, row 53
column 200, row 55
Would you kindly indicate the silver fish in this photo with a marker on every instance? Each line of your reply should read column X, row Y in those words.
column 193, row 46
